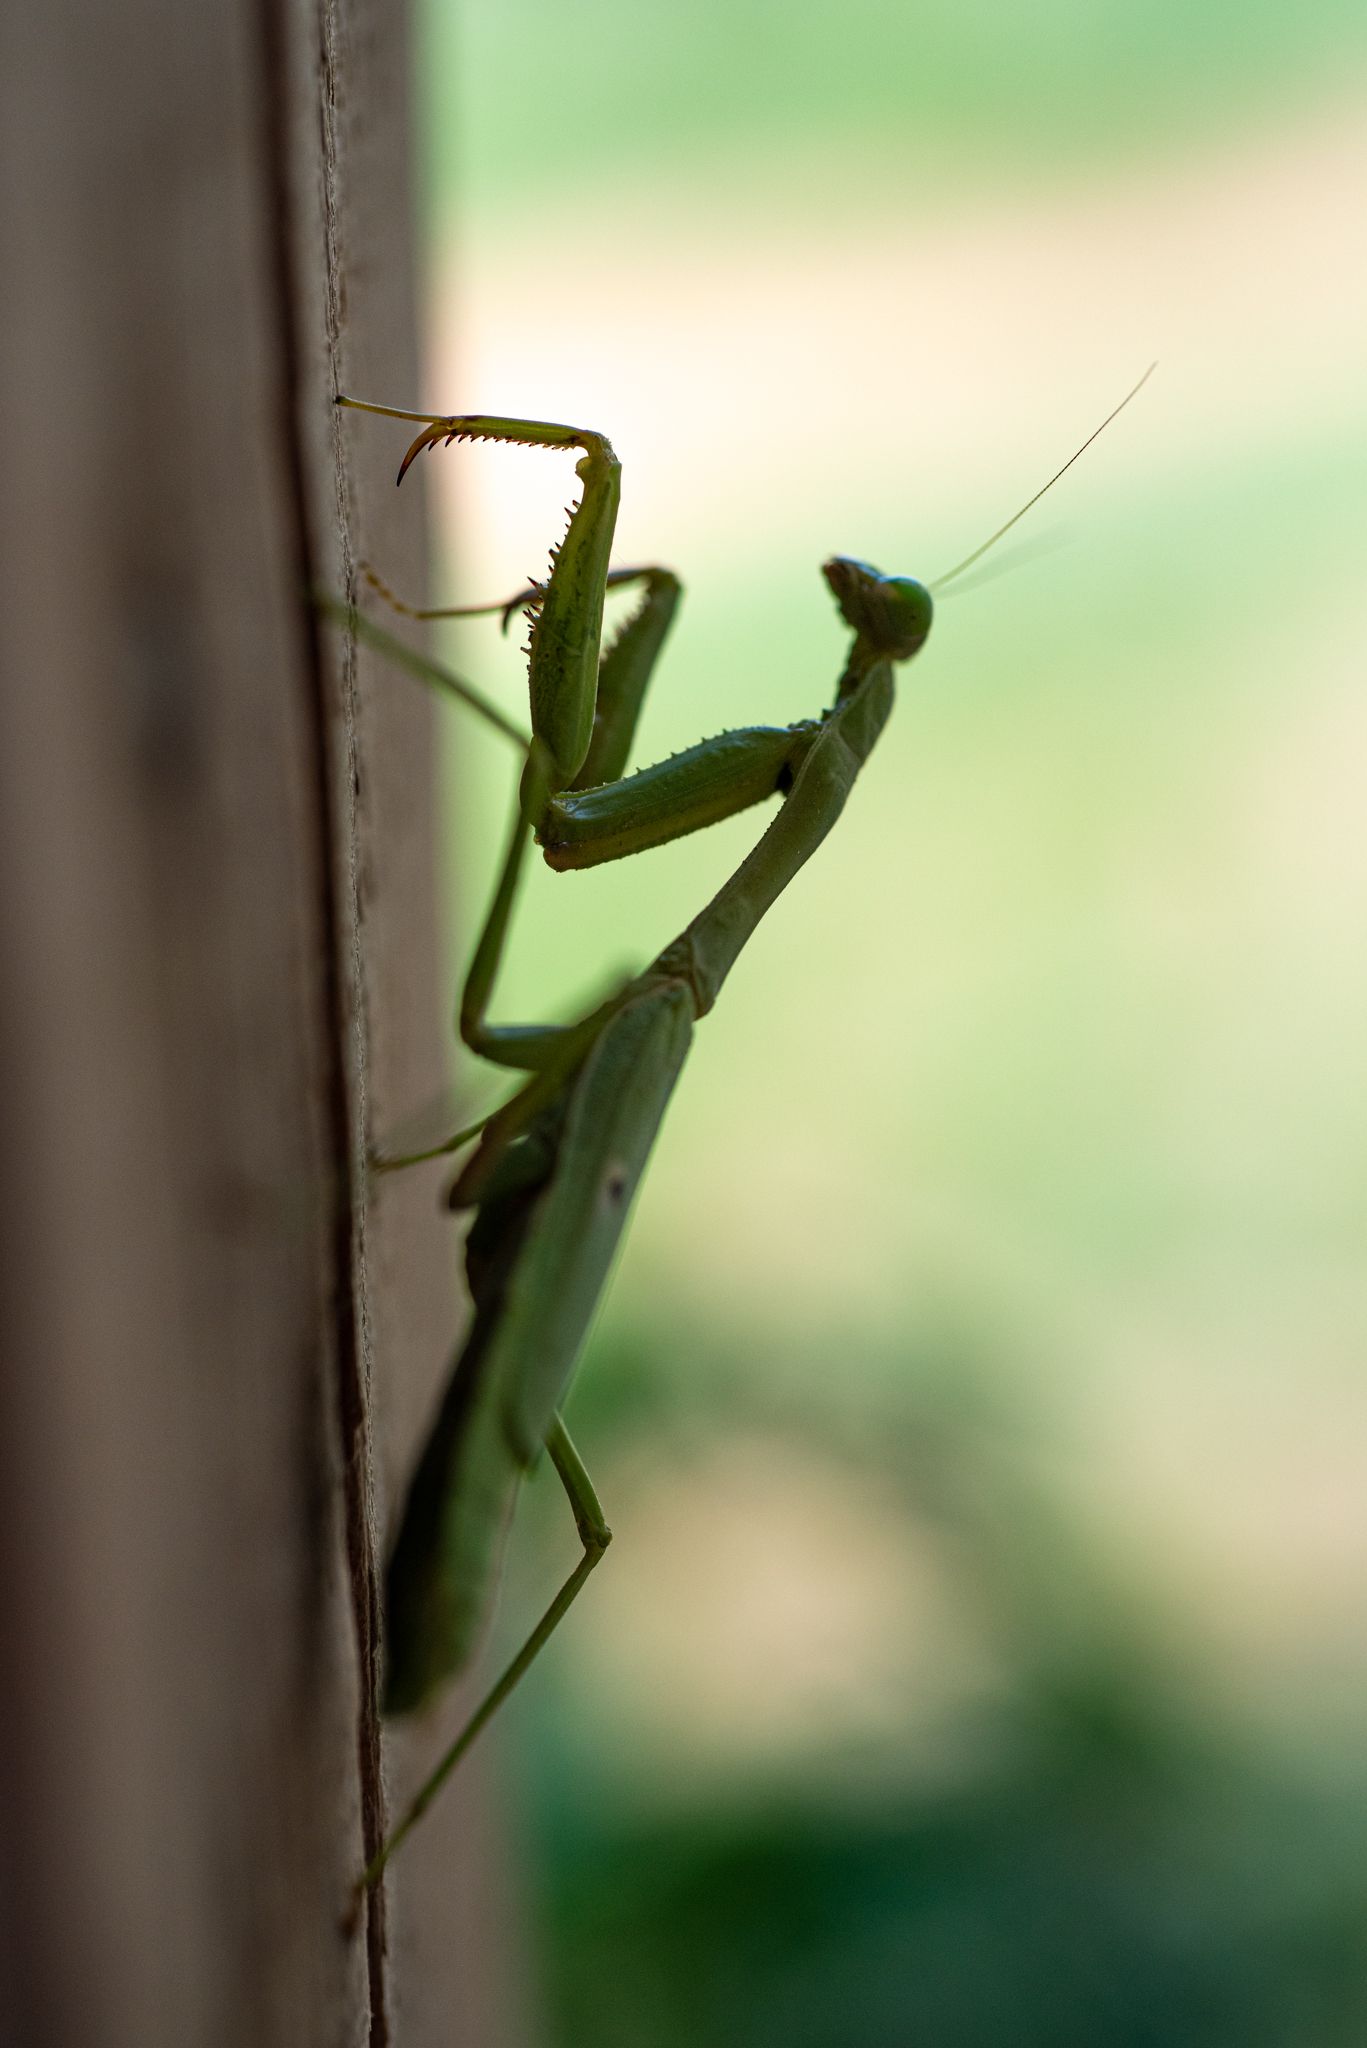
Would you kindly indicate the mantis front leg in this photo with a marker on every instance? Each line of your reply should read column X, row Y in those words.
column 568, row 624
column 584, row 708
column 585, row 705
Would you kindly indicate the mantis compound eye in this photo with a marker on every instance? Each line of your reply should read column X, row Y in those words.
column 894, row 612
column 907, row 611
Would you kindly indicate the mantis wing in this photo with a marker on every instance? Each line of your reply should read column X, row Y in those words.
column 538, row 1257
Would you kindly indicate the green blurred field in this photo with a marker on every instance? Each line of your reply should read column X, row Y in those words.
column 979, row 1404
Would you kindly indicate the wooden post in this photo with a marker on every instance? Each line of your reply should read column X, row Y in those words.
column 217, row 973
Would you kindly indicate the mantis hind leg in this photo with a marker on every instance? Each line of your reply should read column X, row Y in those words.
column 595, row 1535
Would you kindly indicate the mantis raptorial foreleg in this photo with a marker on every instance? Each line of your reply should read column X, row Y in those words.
column 551, row 1179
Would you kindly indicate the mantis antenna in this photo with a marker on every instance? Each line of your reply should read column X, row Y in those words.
column 978, row 553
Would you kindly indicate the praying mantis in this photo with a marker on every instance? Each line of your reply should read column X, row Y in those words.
column 553, row 1172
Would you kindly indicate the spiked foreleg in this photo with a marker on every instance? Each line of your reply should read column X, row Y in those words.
column 568, row 625
column 625, row 671
column 693, row 789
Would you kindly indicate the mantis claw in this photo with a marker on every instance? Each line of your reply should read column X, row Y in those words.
column 444, row 430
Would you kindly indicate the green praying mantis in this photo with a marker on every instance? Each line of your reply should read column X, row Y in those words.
column 554, row 1170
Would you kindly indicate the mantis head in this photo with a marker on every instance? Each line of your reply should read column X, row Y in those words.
column 893, row 613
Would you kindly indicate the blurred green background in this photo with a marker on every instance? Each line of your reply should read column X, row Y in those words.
column 979, row 1402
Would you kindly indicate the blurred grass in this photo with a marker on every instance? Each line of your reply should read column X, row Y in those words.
column 528, row 96
column 979, row 1402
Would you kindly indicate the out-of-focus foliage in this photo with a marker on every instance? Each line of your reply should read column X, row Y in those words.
column 534, row 97
column 979, row 1405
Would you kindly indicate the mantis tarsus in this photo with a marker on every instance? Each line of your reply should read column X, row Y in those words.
column 555, row 1168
